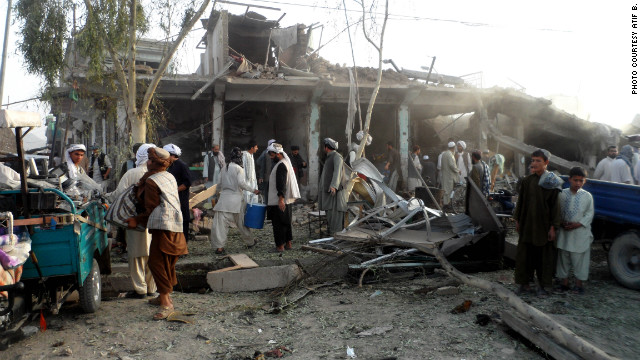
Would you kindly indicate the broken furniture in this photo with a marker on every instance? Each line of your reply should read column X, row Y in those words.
column 387, row 236
column 320, row 217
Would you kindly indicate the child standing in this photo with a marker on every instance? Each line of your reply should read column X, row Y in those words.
column 574, row 237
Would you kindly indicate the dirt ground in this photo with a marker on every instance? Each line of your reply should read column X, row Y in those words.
column 409, row 318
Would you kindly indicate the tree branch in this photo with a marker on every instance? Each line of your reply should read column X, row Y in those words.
column 165, row 62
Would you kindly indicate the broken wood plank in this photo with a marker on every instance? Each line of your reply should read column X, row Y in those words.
column 240, row 261
column 537, row 337
column 202, row 196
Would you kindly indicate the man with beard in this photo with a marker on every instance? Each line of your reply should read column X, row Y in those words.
column 283, row 192
column 330, row 195
column 603, row 169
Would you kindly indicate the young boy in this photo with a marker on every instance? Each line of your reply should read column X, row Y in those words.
column 574, row 236
column 537, row 216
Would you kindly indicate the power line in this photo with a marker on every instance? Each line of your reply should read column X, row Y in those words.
column 400, row 17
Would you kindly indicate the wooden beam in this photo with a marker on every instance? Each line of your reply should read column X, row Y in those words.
column 202, row 196
column 536, row 336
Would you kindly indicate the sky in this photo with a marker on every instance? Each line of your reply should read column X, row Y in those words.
column 578, row 53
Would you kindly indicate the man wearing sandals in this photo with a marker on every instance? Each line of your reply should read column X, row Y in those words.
column 575, row 237
column 229, row 211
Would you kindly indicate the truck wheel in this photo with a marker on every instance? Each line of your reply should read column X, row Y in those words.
column 90, row 291
column 624, row 260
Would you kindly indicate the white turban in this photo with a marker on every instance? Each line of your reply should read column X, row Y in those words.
column 451, row 144
column 291, row 176
column 463, row 144
column 73, row 168
column 275, row 147
column 142, row 154
column 173, row 149
column 270, row 142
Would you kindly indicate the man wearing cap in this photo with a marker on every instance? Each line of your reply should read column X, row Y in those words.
column 450, row 172
column 99, row 166
column 331, row 198
column 283, row 192
column 138, row 242
column 463, row 160
column 213, row 163
column 181, row 172
column 393, row 166
column 263, row 170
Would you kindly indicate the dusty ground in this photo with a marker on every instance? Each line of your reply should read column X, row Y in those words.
column 416, row 322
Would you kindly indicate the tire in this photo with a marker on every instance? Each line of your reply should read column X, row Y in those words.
column 90, row 291
column 624, row 260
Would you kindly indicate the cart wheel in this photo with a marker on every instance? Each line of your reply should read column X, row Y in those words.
column 624, row 260
column 90, row 291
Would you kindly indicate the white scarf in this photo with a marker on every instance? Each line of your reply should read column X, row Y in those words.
column 293, row 182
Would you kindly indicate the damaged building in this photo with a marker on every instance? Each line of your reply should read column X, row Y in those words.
column 258, row 81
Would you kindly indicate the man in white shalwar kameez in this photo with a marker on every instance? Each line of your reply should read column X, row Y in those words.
column 228, row 209
column 574, row 238
column 249, row 166
column 138, row 242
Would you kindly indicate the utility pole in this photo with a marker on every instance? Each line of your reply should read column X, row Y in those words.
column 4, row 50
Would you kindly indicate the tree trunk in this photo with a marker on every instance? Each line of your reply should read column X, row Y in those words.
column 138, row 130
column 557, row 331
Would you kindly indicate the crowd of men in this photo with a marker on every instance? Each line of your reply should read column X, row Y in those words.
column 553, row 224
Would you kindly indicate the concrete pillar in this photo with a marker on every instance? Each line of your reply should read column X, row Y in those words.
column 403, row 141
column 312, row 148
column 520, row 166
column 217, row 114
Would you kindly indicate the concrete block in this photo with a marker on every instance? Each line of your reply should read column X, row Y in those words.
column 261, row 278
column 447, row 290
column 204, row 238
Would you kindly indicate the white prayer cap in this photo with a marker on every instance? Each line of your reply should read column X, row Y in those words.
column 142, row 155
column 451, row 144
column 331, row 143
column 173, row 149
column 276, row 148
column 463, row 144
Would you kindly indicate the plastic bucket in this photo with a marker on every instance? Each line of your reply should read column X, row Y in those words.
column 254, row 216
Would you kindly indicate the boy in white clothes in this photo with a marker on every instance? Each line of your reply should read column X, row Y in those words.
column 575, row 237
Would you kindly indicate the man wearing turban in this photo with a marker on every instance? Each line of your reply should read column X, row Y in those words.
column 331, row 197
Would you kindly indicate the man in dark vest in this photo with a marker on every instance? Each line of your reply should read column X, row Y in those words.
column 99, row 167
column 331, row 196
column 181, row 172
